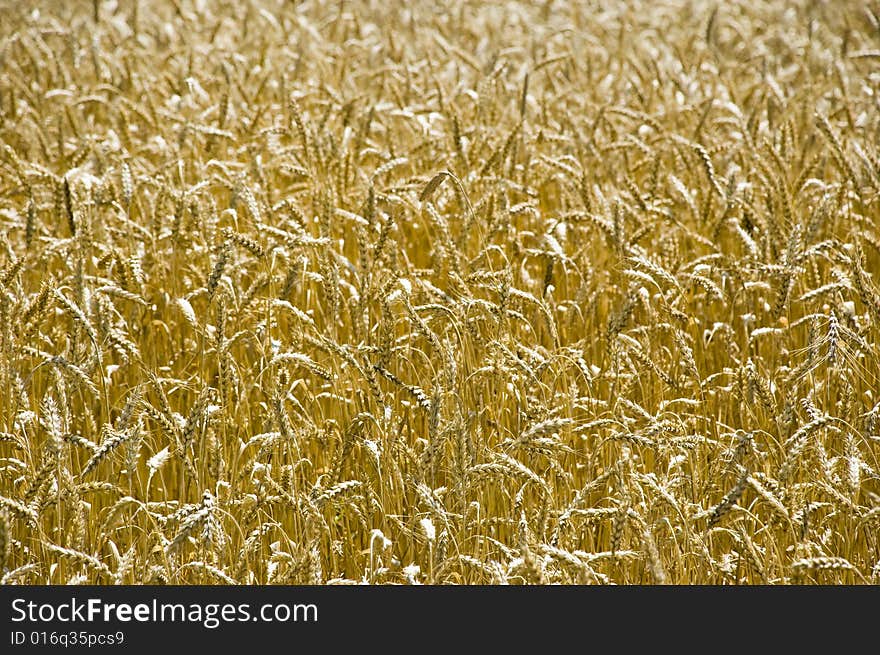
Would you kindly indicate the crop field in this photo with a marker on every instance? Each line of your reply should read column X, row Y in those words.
column 439, row 292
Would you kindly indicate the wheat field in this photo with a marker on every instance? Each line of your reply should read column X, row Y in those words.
column 441, row 292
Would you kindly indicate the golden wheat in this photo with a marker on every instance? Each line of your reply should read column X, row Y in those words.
column 439, row 293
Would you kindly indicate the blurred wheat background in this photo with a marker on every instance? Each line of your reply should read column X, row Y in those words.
column 442, row 292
